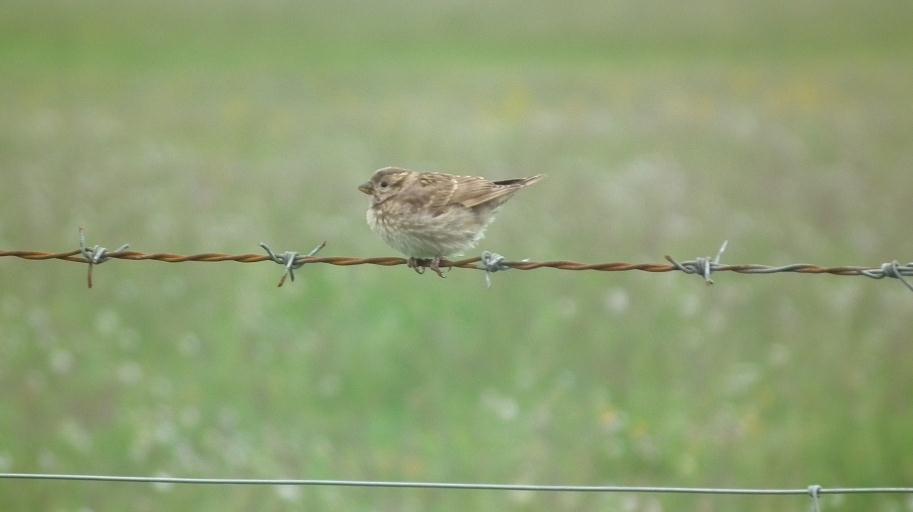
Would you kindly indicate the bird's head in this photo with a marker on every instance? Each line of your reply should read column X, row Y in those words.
column 385, row 183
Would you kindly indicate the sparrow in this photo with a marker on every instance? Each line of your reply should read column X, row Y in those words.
column 433, row 215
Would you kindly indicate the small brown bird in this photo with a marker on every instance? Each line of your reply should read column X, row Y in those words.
column 431, row 215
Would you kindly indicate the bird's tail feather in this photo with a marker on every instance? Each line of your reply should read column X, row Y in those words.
column 522, row 182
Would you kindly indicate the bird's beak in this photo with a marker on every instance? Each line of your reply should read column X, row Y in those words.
column 366, row 187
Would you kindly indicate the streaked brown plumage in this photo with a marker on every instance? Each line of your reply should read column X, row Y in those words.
column 431, row 215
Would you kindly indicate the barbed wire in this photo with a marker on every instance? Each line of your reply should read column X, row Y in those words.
column 813, row 491
column 489, row 262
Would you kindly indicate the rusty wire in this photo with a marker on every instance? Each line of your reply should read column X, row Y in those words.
column 701, row 266
column 470, row 263
column 489, row 262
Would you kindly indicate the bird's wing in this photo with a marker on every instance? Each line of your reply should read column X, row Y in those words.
column 436, row 191
column 472, row 191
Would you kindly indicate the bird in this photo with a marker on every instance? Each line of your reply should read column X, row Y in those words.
column 433, row 215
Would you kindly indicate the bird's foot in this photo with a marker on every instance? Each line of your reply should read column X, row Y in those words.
column 435, row 266
column 416, row 264
column 419, row 265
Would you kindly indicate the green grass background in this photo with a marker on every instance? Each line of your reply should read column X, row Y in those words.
column 664, row 128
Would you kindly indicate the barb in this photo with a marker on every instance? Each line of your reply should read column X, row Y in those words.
column 702, row 266
column 706, row 267
column 290, row 260
column 813, row 492
column 493, row 262
column 461, row 486
column 96, row 255
column 891, row 269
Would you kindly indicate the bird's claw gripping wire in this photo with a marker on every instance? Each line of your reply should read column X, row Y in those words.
column 290, row 260
column 96, row 255
column 702, row 266
column 420, row 264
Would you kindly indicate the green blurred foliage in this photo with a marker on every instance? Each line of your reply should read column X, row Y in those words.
column 664, row 129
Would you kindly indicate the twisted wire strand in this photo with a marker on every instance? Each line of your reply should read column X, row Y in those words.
column 811, row 490
column 876, row 272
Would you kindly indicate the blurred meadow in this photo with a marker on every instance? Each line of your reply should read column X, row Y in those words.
column 664, row 128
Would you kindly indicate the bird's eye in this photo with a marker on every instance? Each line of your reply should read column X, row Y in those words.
column 383, row 184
